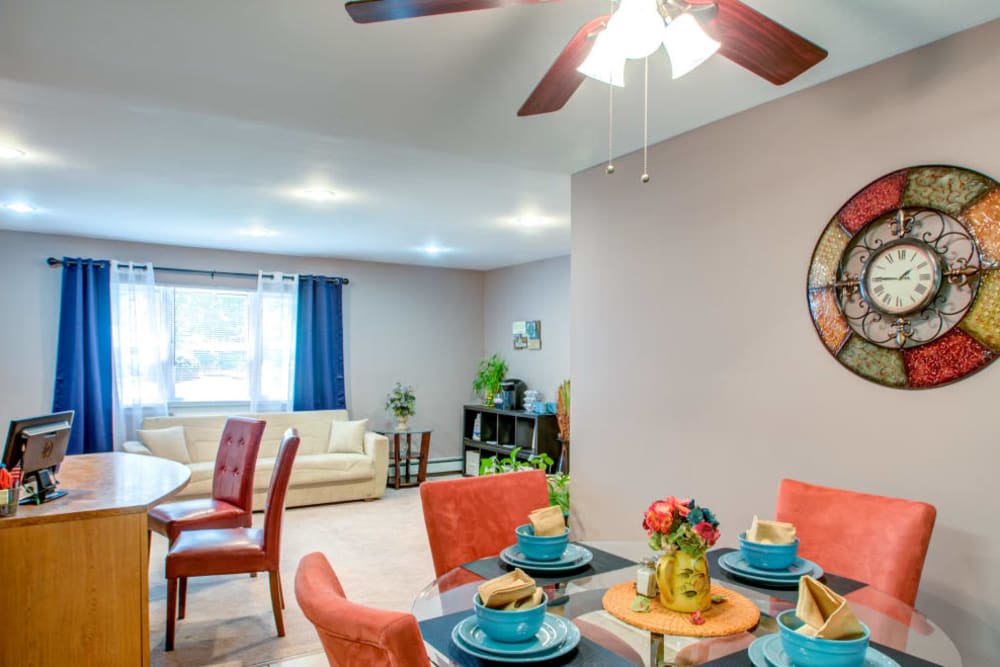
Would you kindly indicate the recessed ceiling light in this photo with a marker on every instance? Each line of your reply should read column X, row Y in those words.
column 529, row 221
column 20, row 207
column 258, row 232
column 319, row 194
column 11, row 153
column 434, row 249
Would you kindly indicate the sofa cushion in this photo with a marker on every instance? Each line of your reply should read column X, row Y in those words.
column 318, row 469
column 167, row 443
column 348, row 437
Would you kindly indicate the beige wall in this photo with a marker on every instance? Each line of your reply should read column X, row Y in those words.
column 532, row 291
column 422, row 326
column 690, row 325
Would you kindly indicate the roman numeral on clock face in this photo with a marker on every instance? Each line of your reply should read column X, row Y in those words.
column 925, row 276
column 889, row 259
column 879, row 289
column 921, row 288
column 902, row 253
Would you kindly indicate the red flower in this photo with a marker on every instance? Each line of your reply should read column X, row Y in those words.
column 658, row 518
column 696, row 618
column 707, row 532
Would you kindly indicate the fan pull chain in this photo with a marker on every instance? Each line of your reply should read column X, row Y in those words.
column 645, row 124
column 611, row 117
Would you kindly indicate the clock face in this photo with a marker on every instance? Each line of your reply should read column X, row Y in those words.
column 904, row 282
column 901, row 278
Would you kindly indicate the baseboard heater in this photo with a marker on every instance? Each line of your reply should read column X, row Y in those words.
column 441, row 466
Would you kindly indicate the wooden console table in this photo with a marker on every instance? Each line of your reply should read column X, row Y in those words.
column 75, row 570
column 404, row 457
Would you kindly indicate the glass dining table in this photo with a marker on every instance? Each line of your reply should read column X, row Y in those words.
column 897, row 628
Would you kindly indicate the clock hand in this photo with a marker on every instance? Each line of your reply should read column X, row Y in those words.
column 879, row 279
column 905, row 273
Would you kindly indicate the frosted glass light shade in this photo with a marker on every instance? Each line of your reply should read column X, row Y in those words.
column 637, row 27
column 687, row 44
column 605, row 62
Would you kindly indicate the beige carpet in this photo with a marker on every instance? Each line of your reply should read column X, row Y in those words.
column 378, row 549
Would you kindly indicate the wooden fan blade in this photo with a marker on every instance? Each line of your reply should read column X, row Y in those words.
column 562, row 79
column 761, row 45
column 373, row 11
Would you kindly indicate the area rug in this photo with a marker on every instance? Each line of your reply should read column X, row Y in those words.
column 378, row 549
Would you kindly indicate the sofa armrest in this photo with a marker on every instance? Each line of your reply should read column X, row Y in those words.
column 136, row 447
column 377, row 447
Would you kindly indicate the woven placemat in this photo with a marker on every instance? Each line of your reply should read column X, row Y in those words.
column 736, row 614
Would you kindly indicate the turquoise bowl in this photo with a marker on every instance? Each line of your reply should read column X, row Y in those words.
column 536, row 547
column 806, row 651
column 769, row 556
column 512, row 626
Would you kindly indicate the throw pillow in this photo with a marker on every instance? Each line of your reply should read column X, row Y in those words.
column 167, row 443
column 348, row 437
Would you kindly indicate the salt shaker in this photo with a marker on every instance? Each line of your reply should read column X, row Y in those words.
column 645, row 578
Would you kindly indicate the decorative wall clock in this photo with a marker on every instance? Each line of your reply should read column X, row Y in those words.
column 904, row 283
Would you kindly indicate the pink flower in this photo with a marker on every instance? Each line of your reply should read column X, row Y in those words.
column 658, row 518
column 707, row 532
column 696, row 618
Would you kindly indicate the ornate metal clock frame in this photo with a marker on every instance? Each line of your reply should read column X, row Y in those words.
column 903, row 287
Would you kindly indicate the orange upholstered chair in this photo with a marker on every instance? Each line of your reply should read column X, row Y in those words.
column 232, row 486
column 354, row 635
column 475, row 517
column 879, row 540
column 199, row 553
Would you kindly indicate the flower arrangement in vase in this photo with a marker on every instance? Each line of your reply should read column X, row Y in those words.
column 402, row 401
column 684, row 531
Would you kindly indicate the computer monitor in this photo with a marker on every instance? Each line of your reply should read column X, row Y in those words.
column 38, row 445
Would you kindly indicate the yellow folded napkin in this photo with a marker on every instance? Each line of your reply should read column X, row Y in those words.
column 528, row 602
column 826, row 615
column 505, row 589
column 770, row 532
column 547, row 521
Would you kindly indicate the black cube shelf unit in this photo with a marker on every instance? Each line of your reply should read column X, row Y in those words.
column 502, row 430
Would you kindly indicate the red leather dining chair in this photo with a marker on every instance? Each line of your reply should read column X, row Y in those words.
column 354, row 635
column 231, row 502
column 198, row 553
column 457, row 529
column 879, row 540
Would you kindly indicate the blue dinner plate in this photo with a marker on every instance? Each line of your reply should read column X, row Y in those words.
column 551, row 635
column 734, row 563
column 756, row 652
column 774, row 655
column 574, row 557
column 567, row 645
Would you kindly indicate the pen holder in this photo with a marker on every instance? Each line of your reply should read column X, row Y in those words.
column 8, row 501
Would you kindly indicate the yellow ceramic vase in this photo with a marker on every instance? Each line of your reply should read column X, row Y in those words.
column 684, row 582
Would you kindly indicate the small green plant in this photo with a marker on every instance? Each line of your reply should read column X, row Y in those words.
column 401, row 400
column 558, row 482
column 489, row 375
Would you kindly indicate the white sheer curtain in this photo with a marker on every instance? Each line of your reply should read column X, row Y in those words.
column 139, row 349
column 273, row 314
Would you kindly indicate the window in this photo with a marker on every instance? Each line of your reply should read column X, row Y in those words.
column 229, row 345
column 210, row 343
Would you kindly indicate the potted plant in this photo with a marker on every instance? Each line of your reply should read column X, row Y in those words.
column 558, row 482
column 562, row 411
column 489, row 375
column 402, row 401
column 684, row 531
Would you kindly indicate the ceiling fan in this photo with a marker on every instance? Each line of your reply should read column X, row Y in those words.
column 747, row 37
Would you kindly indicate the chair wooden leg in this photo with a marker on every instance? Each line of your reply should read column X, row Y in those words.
column 281, row 592
column 276, row 602
column 183, row 598
column 168, row 644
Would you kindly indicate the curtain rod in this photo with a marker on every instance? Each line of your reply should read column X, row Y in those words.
column 54, row 261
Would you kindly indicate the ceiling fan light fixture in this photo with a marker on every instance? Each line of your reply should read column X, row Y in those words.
column 637, row 28
column 687, row 44
column 605, row 62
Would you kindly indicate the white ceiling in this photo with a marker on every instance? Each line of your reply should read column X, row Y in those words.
column 190, row 121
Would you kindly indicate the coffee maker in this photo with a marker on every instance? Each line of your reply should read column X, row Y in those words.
column 512, row 391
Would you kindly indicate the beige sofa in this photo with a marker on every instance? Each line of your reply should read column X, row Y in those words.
column 318, row 476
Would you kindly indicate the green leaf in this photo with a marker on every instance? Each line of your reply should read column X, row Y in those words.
column 640, row 603
column 718, row 599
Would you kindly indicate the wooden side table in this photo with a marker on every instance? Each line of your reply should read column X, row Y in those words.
column 403, row 454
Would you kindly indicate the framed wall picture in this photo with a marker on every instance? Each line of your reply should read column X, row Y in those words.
column 527, row 335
